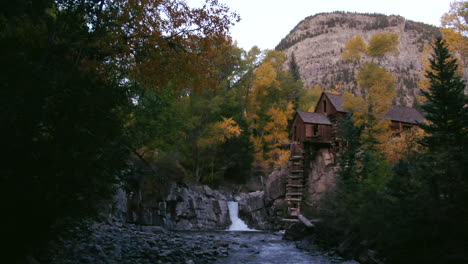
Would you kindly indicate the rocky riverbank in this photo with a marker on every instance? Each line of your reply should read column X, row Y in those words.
column 128, row 243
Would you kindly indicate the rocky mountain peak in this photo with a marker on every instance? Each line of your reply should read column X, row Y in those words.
column 318, row 41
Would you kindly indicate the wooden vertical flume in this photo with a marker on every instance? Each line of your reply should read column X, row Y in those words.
column 295, row 183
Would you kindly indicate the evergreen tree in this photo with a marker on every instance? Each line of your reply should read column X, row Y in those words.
column 294, row 68
column 447, row 126
column 443, row 169
column 348, row 135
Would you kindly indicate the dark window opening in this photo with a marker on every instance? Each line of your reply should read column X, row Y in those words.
column 315, row 129
column 324, row 106
column 295, row 134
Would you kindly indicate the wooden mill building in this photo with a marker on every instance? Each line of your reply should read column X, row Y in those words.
column 320, row 127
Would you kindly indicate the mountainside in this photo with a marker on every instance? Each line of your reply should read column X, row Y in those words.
column 318, row 41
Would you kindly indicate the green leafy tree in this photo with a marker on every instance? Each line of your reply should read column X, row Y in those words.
column 74, row 91
column 65, row 109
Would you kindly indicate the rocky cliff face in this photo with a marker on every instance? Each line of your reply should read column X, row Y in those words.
column 253, row 210
column 194, row 207
column 321, row 177
column 318, row 41
column 197, row 208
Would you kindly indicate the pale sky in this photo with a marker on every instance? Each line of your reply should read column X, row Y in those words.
column 265, row 22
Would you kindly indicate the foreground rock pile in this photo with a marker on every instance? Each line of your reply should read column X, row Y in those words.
column 118, row 243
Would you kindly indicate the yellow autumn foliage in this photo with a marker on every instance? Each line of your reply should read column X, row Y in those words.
column 381, row 44
column 378, row 90
column 456, row 17
column 458, row 45
column 308, row 100
column 354, row 48
column 267, row 114
column 264, row 76
column 398, row 147
column 221, row 131
column 276, row 136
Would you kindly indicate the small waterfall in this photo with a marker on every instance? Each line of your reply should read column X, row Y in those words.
column 237, row 223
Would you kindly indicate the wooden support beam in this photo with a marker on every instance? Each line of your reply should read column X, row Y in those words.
column 297, row 171
column 295, row 185
column 305, row 221
column 290, row 220
column 295, row 177
column 296, row 157
column 294, row 194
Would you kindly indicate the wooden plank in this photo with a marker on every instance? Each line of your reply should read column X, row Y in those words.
column 294, row 199
column 295, row 193
column 295, row 190
column 290, row 220
column 294, row 185
column 297, row 171
column 296, row 157
column 305, row 221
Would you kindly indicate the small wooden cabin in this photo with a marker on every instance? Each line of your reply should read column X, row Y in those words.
column 310, row 126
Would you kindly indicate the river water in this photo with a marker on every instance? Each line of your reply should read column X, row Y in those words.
column 262, row 248
column 269, row 248
column 249, row 246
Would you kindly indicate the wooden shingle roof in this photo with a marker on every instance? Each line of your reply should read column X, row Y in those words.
column 337, row 101
column 397, row 113
column 404, row 114
column 313, row 118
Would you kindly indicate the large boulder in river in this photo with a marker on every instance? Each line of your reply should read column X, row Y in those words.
column 253, row 211
column 277, row 211
column 298, row 231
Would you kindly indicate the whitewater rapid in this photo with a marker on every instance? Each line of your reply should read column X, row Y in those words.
column 237, row 223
